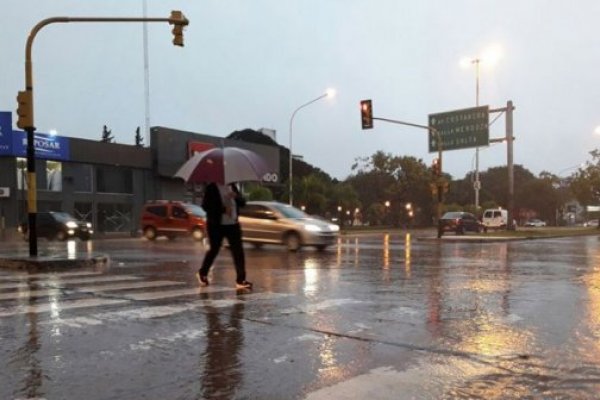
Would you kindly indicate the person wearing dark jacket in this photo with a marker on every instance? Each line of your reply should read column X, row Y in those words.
column 222, row 204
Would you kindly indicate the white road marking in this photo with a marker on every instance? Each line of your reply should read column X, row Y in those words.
column 60, row 306
column 25, row 276
column 29, row 293
column 176, row 293
column 140, row 313
column 128, row 285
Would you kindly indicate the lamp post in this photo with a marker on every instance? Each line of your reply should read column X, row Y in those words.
column 477, row 183
column 328, row 93
column 25, row 101
column 489, row 57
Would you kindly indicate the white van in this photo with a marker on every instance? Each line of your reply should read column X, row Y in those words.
column 495, row 218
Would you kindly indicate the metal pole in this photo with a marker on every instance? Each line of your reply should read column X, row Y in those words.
column 31, row 174
column 146, row 77
column 477, row 183
column 509, row 163
column 291, row 153
column 440, row 200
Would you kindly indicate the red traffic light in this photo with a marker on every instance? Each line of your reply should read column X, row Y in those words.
column 366, row 114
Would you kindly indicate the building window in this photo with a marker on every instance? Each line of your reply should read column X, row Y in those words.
column 82, row 177
column 114, row 180
column 53, row 176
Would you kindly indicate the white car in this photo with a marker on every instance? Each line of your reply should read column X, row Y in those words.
column 535, row 223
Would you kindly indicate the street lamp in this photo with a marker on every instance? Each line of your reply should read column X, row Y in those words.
column 489, row 57
column 328, row 93
column 25, row 100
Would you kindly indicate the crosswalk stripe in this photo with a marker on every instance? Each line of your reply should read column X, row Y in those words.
column 147, row 312
column 28, row 293
column 64, row 305
column 128, row 285
column 176, row 293
column 22, row 276
column 105, row 278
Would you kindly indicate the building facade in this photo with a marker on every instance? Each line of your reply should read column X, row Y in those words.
column 103, row 183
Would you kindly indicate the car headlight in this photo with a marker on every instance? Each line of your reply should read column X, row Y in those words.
column 89, row 225
column 312, row 228
column 71, row 224
column 334, row 228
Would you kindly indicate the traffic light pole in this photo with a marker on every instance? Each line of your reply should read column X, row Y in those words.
column 177, row 19
column 438, row 139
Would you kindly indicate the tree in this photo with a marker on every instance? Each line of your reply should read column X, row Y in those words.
column 106, row 135
column 258, row 192
column 139, row 140
column 399, row 180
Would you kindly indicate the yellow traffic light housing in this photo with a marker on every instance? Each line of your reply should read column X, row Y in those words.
column 366, row 114
column 25, row 109
column 179, row 21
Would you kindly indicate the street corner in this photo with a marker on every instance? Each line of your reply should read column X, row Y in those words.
column 54, row 262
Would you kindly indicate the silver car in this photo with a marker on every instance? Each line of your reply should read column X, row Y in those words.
column 271, row 222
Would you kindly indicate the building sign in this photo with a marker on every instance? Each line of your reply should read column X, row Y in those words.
column 14, row 143
column 198, row 147
column 5, row 133
column 48, row 147
column 460, row 129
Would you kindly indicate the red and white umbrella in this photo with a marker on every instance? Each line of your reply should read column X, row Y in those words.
column 223, row 165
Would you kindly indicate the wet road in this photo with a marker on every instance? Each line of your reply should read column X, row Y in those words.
column 377, row 316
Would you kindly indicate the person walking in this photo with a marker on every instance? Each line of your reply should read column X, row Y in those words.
column 222, row 203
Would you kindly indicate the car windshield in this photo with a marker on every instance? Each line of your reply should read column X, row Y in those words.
column 195, row 210
column 290, row 211
column 452, row 215
column 63, row 216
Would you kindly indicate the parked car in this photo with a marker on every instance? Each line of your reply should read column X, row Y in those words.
column 172, row 219
column 58, row 225
column 458, row 222
column 535, row 223
column 271, row 222
column 591, row 223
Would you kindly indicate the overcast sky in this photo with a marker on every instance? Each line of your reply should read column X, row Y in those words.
column 251, row 63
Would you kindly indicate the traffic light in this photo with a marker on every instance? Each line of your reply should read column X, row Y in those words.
column 178, row 21
column 366, row 114
column 25, row 109
column 436, row 167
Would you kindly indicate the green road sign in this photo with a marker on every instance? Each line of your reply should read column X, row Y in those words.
column 460, row 129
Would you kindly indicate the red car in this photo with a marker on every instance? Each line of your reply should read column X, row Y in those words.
column 172, row 219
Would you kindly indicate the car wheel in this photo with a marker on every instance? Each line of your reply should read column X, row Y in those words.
column 321, row 247
column 61, row 236
column 198, row 234
column 257, row 245
column 150, row 233
column 292, row 241
column 84, row 238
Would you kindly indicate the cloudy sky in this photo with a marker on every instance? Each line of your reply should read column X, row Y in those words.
column 251, row 63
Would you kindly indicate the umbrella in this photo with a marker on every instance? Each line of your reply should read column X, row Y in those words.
column 223, row 165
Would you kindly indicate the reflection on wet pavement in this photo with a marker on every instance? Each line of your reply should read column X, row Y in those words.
column 378, row 316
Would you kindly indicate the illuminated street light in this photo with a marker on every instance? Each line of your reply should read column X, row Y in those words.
column 489, row 57
column 328, row 93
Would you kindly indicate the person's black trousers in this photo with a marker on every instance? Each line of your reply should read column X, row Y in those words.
column 233, row 234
